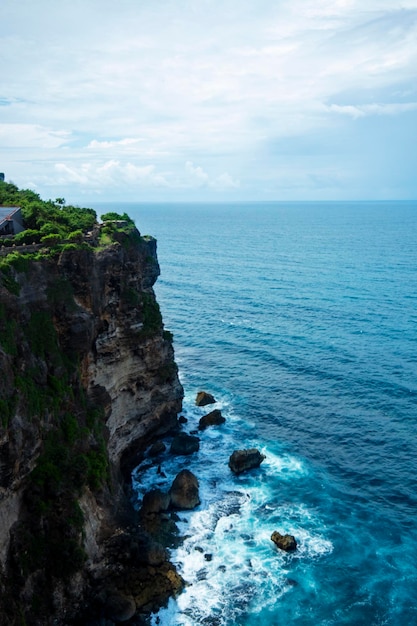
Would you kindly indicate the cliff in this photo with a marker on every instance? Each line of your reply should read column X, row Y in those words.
column 88, row 381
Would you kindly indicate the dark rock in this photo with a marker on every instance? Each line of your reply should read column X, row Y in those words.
column 156, row 554
column 120, row 607
column 185, row 444
column 182, row 419
column 208, row 557
column 243, row 460
column 204, row 398
column 157, row 448
column 284, row 542
column 160, row 472
column 184, row 491
column 155, row 501
column 214, row 418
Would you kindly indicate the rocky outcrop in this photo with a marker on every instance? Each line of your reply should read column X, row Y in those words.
column 243, row 460
column 214, row 418
column 88, row 383
column 284, row 542
column 184, row 444
column 203, row 398
column 184, row 491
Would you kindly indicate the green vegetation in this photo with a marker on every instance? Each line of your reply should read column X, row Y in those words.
column 151, row 316
column 119, row 228
column 46, row 217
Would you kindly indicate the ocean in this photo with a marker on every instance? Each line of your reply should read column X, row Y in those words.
column 301, row 320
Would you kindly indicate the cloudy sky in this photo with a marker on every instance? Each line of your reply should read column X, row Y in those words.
column 209, row 99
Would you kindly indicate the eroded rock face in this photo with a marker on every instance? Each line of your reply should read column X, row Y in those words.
column 244, row 460
column 82, row 350
column 284, row 542
column 184, row 491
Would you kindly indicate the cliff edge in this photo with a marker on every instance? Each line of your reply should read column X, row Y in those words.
column 88, row 381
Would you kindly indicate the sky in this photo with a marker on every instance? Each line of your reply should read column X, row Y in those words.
column 209, row 100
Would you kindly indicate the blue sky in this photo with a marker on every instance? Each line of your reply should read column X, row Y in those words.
column 209, row 100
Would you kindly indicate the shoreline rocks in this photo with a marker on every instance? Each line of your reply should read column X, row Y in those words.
column 244, row 460
column 214, row 418
column 184, row 444
column 203, row 398
column 184, row 491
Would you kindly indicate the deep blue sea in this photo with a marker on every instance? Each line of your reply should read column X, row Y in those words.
column 301, row 319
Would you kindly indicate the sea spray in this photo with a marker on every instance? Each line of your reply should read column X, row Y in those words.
column 227, row 558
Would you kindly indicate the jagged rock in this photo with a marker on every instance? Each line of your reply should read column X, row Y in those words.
column 204, row 398
column 214, row 418
column 243, row 460
column 284, row 542
column 155, row 501
column 157, row 448
column 185, row 444
column 184, row 491
column 182, row 419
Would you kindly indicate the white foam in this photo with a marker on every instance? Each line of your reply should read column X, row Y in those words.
column 227, row 558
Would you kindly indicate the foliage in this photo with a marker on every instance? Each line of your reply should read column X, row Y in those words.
column 151, row 316
column 45, row 217
column 51, row 240
column 112, row 216
column 7, row 279
column 28, row 236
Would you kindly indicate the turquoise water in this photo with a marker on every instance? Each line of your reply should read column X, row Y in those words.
column 301, row 319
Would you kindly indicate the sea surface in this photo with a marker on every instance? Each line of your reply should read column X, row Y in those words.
column 301, row 319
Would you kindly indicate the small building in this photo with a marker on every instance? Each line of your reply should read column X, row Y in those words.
column 11, row 221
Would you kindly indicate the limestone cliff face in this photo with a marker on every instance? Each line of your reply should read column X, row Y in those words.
column 88, row 381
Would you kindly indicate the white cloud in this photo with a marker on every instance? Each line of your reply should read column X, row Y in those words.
column 31, row 135
column 362, row 110
column 110, row 174
column 197, row 174
column 197, row 82
column 128, row 142
column 200, row 178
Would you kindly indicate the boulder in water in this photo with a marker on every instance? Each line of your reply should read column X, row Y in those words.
column 204, row 398
column 155, row 501
column 185, row 444
column 184, row 491
column 214, row 418
column 243, row 460
column 284, row 542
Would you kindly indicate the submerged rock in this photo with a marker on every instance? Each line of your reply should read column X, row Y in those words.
column 203, row 398
column 214, row 418
column 184, row 491
column 243, row 460
column 284, row 542
column 185, row 444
